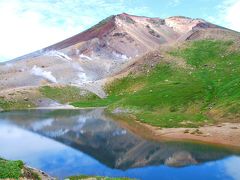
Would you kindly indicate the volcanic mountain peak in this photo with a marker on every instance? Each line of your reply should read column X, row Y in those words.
column 104, row 49
column 144, row 32
column 184, row 24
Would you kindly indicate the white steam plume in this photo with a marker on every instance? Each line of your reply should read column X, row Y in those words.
column 45, row 74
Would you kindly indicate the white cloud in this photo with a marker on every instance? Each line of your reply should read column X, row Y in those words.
column 232, row 15
column 174, row 3
column 228, row 14
column 31, row 25
column 24, row 29
column 231, row 167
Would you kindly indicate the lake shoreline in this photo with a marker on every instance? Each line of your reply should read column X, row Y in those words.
column 41, row 174
column 223, row 134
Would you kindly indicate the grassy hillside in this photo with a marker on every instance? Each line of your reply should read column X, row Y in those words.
column 207, row 90
column 15, row 104
column 24, row 99
column 65, row 94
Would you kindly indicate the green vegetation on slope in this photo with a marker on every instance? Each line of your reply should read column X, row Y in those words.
column 65, row 94
column 167, row 97
column 217, row 66
column 96, row 102
column 171, row 96
column 15, row 104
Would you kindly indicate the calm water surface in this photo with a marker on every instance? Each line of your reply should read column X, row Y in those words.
column 72, row 142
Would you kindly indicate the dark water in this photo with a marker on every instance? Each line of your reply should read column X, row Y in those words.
column 72, row 142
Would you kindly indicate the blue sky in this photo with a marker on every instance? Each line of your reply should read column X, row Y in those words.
column 28, row 25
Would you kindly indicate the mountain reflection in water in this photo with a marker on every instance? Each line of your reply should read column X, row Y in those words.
column 103, row 139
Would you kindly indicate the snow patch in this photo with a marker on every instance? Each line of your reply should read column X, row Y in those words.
column 85, row 57
column 45, row 74
column 58, row 54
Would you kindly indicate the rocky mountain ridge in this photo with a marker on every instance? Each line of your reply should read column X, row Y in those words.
column 88, row 59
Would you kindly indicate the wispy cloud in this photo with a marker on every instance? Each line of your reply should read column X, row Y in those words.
column 231, row 14
column 174, row 3
column 30, row 25
column 228, row 14
column 231, row 167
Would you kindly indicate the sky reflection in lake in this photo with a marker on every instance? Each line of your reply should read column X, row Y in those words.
column 88, row 143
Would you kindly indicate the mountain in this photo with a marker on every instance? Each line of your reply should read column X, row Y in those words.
column 87, row 59
column 116, row 36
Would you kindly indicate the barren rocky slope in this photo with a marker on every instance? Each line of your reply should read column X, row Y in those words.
column 102, row 51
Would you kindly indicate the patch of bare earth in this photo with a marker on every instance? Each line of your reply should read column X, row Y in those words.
column 28, row 174
column 222, row 134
